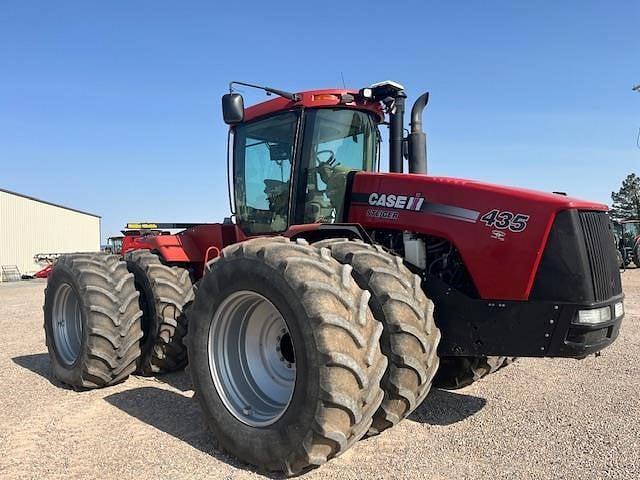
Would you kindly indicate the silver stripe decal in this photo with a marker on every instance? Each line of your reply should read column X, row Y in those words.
column 449, row 211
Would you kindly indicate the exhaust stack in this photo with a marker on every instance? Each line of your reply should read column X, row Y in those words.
column 417, row 139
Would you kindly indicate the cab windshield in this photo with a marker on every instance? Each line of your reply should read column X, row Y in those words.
column 309, row 158
column 336, row 142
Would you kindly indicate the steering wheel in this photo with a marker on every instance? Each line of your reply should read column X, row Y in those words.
column 331, row 161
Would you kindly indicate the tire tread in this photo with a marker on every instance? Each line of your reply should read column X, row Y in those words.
column 172, row 292
column 113, row 323
column 410, row 337
column 347, row 339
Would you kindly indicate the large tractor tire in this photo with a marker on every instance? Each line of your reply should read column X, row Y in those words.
column 410, row 337
column 165, row 294
column 459, row 372
column 284, row 354
column 92, row 320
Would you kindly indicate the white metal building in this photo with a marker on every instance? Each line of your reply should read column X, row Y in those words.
column 29, row 226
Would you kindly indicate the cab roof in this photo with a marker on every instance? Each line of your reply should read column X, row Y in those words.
column 314, row 99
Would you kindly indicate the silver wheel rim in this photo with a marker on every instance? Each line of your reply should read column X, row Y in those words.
column 251, row 358
column 67, row 324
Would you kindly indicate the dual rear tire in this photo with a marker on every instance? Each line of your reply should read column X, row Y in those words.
column 92, row 320
column 105, row 318
column 165, row 295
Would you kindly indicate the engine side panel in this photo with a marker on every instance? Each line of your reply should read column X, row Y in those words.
column 499, row 231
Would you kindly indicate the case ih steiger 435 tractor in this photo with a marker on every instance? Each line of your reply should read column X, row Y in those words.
column 320, row 312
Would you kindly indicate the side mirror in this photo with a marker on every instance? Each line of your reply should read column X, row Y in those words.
column 232, row 108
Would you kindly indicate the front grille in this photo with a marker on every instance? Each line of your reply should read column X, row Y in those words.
column 600, row 244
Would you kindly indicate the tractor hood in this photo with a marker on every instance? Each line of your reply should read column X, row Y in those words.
column 436, row 186
column 499, row 231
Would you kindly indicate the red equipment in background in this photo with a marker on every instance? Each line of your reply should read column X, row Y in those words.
column 44, row 272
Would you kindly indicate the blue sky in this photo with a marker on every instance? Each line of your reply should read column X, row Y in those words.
column 113, row 107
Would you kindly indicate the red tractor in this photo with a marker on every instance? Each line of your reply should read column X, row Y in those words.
column 333, row 295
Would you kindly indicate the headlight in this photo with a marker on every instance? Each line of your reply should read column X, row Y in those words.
column 618, row 309
column 593, row 316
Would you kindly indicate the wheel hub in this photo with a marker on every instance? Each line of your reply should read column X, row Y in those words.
column 286, row 349
column 67, row 324
column 251, row 358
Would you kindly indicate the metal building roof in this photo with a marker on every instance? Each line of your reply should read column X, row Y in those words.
column 48, row 203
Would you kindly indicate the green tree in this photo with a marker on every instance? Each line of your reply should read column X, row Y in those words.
column 626, row 202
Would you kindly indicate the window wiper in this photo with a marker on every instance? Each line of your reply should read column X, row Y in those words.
column 281, row 93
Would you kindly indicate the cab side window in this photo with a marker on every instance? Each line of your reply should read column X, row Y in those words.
column 263, row 163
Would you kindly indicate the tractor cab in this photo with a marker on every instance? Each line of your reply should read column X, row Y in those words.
column 292, row 156
column 114, row 244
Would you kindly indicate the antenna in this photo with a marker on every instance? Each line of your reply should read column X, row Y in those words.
column 344, row 86
column 637, row 89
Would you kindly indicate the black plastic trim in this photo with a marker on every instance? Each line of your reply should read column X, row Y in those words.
column 564, row 274
column 351, row 231
column 348, row 195
column 579, row 262
column 475, row 327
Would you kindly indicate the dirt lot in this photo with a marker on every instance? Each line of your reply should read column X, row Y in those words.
column 534, row 419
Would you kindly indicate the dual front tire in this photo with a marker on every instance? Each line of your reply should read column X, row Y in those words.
column 409, row 339
column 327, row 401
column 363, row 347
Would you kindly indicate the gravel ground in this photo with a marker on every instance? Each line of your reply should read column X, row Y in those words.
column 535, row 419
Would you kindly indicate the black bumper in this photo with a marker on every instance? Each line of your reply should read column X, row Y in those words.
column 476, row 327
